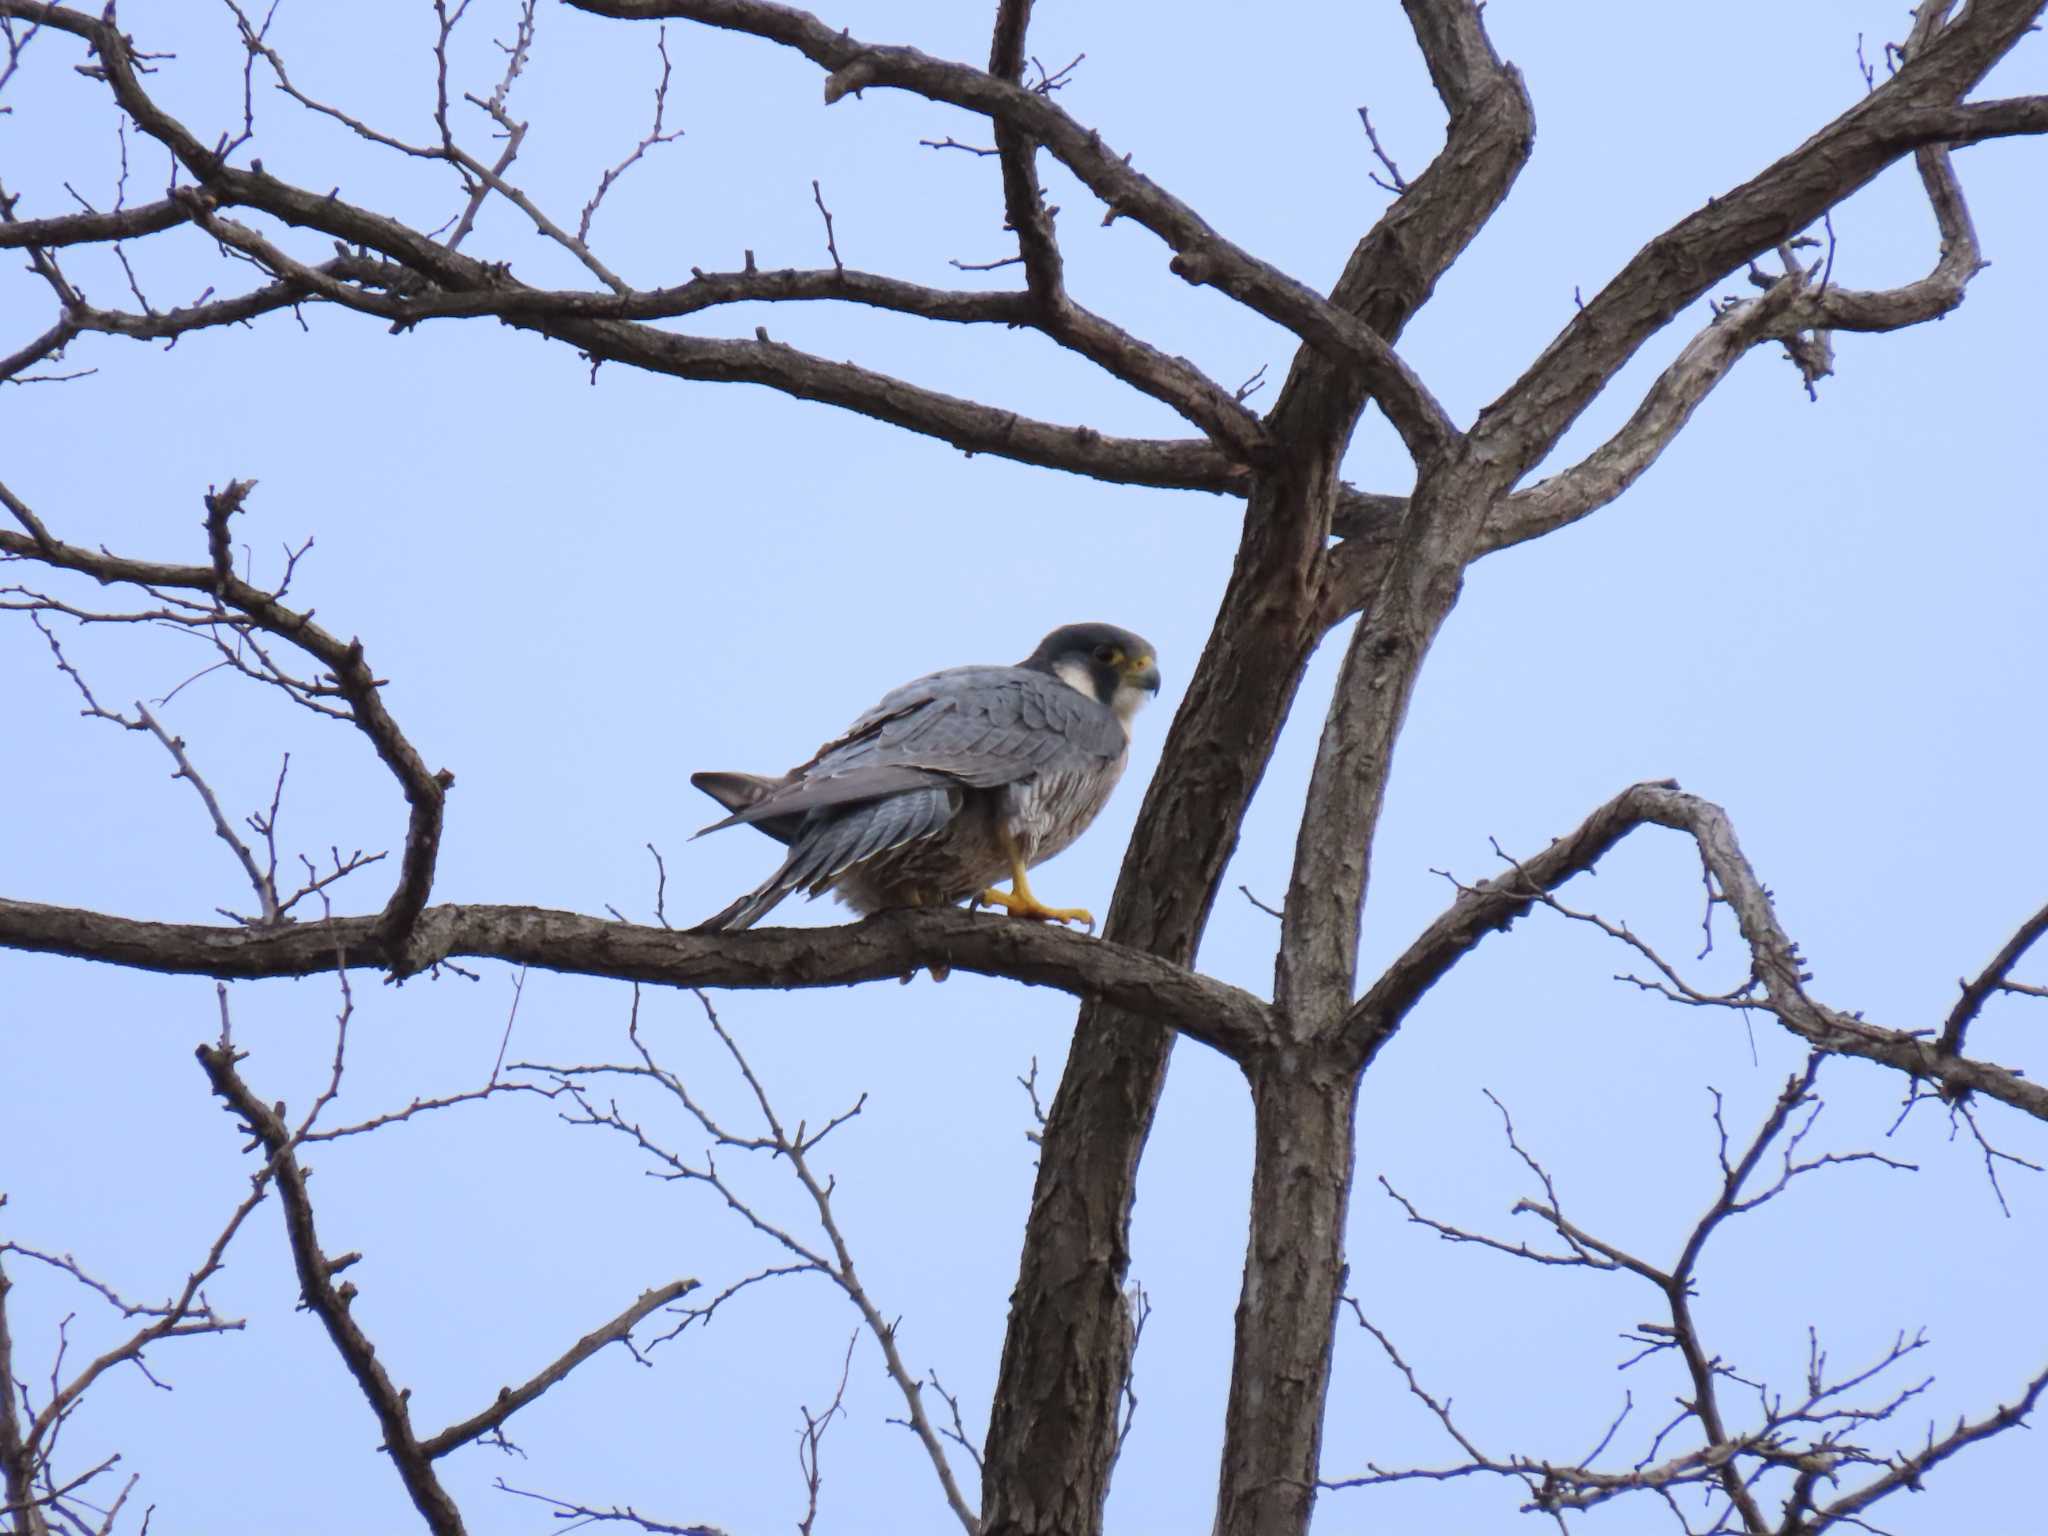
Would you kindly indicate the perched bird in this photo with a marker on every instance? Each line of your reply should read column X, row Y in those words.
column 955, row 781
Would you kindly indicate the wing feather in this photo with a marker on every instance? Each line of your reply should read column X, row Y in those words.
column 979, row 726
column 898, row 772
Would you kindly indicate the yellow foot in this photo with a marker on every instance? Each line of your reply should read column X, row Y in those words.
column 1021, row 903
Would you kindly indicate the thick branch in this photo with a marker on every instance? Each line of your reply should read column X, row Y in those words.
column 1316, row 971
column 1915, row 107
column 1793, row 304
column 1667, row 406
column 1394, row 268
column 1052, row 1429
column 1304, row 1124
column 1023, row 198
column 444, row 281
column 1201, row 255
column 91, row 228
column 890, row 945
column 1494, row 904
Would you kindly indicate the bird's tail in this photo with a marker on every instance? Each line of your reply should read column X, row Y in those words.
column 748, row 910
column 739, row 792
column 828, row 846
column 796, row 872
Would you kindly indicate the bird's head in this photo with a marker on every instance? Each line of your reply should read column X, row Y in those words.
column 1112, row 666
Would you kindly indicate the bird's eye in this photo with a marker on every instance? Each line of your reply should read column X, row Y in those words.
column 1105, row 654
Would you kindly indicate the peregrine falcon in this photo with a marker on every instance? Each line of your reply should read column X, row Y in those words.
column 953, row 782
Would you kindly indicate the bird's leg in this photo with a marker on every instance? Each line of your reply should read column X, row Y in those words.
column 1018, row 900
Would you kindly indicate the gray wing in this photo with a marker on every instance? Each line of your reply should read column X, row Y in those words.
column 981, row 727
column 901, row 770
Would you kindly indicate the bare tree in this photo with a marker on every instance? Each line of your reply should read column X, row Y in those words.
column 1316, row 557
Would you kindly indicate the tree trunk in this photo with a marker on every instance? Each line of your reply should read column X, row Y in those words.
column 1293, row 1280
column 1052, row 1426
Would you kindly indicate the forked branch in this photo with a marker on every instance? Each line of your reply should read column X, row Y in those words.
column 1919, row 106
column 230, row 604
column 1201, row 255
column 1789, row 1443
column 1495, row 903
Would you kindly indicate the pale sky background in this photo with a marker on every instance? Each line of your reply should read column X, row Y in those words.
column 1826, row 617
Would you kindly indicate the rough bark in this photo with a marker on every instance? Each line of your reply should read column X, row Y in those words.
column 1303, row 1106
column 1052, row 1428
column 888, row 945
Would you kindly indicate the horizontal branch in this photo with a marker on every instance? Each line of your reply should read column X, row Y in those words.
column 1493, row 905
column 169, row 324
column 425, row 279
column 1172, row 463
column 1976, row 121
column 92, row 227
column 891, row 945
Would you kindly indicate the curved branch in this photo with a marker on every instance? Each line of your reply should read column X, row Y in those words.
column 1053, row 310
column 1174, row 463
column 1667, row 406
column 1395, row 266
column 1941, row 290
column 423, row 279
column 888, row 946
column 1991, row 979
column 1393, row 270
column 1493, row 905
column 1201, row 256
column 1917, row 106
column 1791, row 306
column 425, row 789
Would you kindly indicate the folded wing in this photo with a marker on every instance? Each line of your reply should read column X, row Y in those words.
column 899, row 773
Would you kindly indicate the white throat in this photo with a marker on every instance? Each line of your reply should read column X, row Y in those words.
column 1075, row 676
column 1123, row 703
column 1126, row 702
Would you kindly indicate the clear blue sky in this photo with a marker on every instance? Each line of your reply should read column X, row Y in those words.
column 1826, row 617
